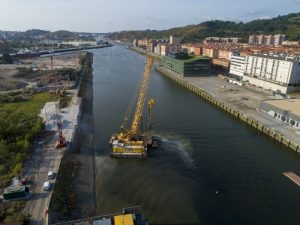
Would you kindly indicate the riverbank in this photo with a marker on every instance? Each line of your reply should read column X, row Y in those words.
column 143, row 52
column 84, row 181
column 73, row 196
column 223, row 95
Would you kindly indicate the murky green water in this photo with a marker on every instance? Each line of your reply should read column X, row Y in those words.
column 210, row 168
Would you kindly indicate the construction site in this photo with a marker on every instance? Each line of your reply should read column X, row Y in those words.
column 36, row 73
column 50, row 85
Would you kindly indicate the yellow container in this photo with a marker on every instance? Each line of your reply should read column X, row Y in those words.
column 126, row 219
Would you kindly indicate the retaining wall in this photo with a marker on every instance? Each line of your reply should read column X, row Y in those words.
column 274, row 134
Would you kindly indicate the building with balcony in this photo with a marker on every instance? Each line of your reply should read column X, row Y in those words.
column 266, row 39
column 237, row 66
column 210, row 52
column 273, row 73
column 224, row 54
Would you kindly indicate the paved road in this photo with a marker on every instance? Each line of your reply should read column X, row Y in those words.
column 46, row 158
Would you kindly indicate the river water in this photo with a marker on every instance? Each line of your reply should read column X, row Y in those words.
column 209, row 169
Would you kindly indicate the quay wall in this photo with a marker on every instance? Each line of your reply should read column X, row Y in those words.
column 274, row 134
column 68, row 170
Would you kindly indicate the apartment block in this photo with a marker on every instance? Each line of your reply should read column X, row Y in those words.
column 157, row 49
column 142, row 43
column 266, row 39
column 151, row 45
column 210, row 52
column 224, row 54
column 174, row 40
column 237, row 66
column 164, row 50
column 273, row 73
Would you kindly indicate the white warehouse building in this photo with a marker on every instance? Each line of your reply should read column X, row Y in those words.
column 285, row 110
column 273, row 73
column 237, row 66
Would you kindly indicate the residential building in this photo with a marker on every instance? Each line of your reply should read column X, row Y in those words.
column 142, row 43
column 278, row 39
column 135, row 43
column 252, row 40
column 291, row 43
column 209, row 40
column 198, row 51
column 237, row 66
column 150, row 45
column 210, row 52
column 174, row 40
column 224, row 54
column 188, row 48
column 266, row 39
column 273, row 73
column 157, row 49
column 269, row 40
column 222, row 64
column 175, row 48
column 164, row 49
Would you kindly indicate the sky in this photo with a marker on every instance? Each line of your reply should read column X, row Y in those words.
column 116, row 15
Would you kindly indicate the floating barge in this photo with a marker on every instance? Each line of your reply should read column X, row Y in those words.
column 129, row 216
column 134, row 142
column 132, row 149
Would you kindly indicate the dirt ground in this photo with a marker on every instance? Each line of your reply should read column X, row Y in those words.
column 36, row 71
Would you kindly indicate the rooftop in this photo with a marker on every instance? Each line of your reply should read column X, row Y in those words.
column 191, row 58
column 291, row 105
column 278, row 57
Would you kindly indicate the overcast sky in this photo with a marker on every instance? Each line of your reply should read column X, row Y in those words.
column 116, row 15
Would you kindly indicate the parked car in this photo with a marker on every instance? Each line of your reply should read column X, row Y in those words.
column 47, row 186
column 51, row 174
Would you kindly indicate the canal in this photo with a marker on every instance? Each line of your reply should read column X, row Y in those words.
column 209, row 169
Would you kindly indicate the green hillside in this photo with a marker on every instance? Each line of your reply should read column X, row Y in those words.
column 63, row 34
column 288, row 25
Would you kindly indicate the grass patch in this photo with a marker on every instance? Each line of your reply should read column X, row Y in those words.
column 19, row 125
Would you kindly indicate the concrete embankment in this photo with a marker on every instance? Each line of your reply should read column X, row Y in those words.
column 258, row 125
column 73, row 196
column 143, row 52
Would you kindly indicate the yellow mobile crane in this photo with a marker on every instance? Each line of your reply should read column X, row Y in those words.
column 132, row 142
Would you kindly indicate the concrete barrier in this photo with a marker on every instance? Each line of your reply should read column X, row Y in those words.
column 234, row 112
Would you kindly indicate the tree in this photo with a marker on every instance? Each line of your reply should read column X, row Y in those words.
column 6, row 59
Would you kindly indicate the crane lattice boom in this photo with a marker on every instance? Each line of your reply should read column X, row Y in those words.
column 141, row 100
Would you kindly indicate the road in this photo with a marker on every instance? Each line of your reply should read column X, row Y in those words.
column 46, row 158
